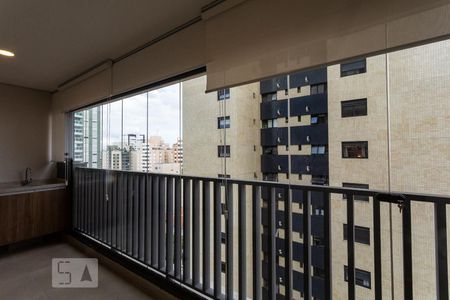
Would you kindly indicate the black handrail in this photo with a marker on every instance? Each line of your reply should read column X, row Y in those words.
column 421, row 197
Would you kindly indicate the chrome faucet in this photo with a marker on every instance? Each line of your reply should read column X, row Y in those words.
column 28, row 178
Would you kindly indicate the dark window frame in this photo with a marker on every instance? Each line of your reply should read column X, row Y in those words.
column 269, row 123
column 223, row 151
column 269, row 97
column 356, row 186
column 358, row 280
column 223, row 94
column 319, row 119
column 270, row 176
column 319, row 179
column 270, row 150
column 362, row 234
column 318, row 147
column 364, row 144
column 219, row 119
column 223, row 237
column 318, row 88
column 354, row 67
column 223, row 267
column 354, row 108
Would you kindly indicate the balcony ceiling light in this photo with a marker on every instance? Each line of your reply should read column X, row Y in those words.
column 6, row 53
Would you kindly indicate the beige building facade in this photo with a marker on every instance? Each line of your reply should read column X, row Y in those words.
column 405, row 128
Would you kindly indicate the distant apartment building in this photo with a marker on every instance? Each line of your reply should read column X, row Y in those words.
column 112, row 158
column 161, row 156
column 142, row 155
column 159, row 151
column 294, row 149
column 78, row 136
column 177, row 150
column 363, row 124
column 87, row 135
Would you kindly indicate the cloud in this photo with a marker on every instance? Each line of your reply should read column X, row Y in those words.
column 163, row 115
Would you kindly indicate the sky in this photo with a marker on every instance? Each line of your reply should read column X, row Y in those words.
column 163, row 115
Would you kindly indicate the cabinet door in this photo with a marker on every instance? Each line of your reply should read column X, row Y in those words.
column 15, row 218
column 27, row 216
column 50, row 211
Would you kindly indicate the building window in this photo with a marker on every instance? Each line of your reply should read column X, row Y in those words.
column 355, row 150
column 269, row 97
column 319, row 88
column 356, row 186
column 223, row 122
column 318, row 272
column 223, row 208
column 362, row 234
column 319, row 180
column 318, row 119
column 223, row 237
column 223, row 151
column 269, row 123
column 319, row 149
column 270, row 150
column 318, row 211
column 223, row 175
column 270, row 176
column 362, row 278
column 317, row 241
column 354, row 108
column 223, row 267
column 353, row 67
column 223, row 94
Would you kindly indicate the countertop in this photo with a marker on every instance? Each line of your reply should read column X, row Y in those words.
column 13, row 188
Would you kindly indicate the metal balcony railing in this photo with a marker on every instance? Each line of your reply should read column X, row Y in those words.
column 172, row 226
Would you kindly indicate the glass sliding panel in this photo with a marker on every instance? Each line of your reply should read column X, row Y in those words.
column 134, row 136
column 112, row 136
column 165, row 146
column 203, row 126
column 419, row 110
column 87, row 137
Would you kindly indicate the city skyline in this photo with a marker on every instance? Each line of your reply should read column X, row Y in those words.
column 163, row 115
column 309, row 127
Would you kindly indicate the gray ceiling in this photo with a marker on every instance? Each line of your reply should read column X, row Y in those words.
column 55, row 40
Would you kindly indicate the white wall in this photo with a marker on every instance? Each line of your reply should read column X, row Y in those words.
column 25, row 133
